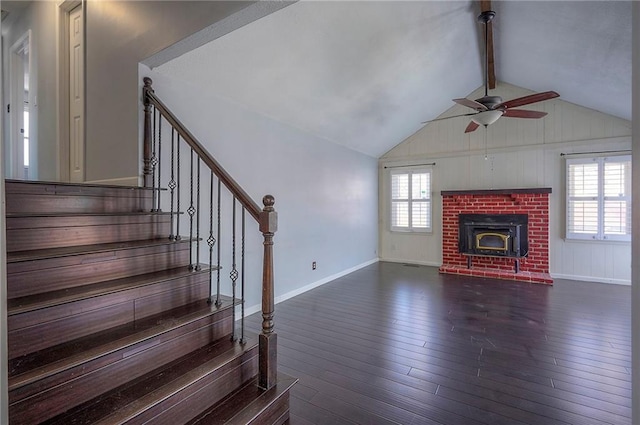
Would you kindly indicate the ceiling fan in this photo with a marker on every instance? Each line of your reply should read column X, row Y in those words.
column 490, row 108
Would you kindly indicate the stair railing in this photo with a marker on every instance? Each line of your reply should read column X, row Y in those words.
column 170, row 182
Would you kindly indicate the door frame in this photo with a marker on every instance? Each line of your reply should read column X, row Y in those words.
column 15, row 146
column 63, row 117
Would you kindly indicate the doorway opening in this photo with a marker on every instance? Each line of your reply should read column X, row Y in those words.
column 22, row 145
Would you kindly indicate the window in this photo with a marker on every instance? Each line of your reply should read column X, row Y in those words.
column 411, row 200
column 599, row 198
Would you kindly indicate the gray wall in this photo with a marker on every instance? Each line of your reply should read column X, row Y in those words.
column 4, row 366
column 120, row 34
column 326, row 195
column 39, row 17
column 635, row 302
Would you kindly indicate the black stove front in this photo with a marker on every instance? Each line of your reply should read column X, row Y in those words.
column 502, row 235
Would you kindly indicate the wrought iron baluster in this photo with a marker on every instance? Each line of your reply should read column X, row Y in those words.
column 172, row 182
column 198, row 217
column 178, row 237
column 242, row 340
column 147, row 173
column 218, row 301
column 154, row 161
column 211, row 241
column 234, row 272
column 159, row 162
column 191, row 211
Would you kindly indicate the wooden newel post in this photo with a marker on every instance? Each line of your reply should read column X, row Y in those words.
column 268, row 339
column 146, row 147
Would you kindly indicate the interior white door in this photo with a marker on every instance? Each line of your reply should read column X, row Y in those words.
column 76, row 96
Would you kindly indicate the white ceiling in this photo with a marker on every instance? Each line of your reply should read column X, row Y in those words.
column 366, row 74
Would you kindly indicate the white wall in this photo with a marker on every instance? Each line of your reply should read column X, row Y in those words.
column 326, row 195
column 520, row 153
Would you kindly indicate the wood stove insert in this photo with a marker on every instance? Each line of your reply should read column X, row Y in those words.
column 496, row 235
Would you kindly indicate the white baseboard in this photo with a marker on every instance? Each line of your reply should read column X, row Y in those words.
column 122, row 181
column 553, row 275
column 404, row 261
column 258, row 307
column 592, row 279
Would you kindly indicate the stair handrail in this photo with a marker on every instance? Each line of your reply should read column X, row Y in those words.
column 267, row 219
column 150, row 98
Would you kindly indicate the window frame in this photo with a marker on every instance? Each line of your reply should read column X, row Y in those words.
column 410, row 171
column 600, row 198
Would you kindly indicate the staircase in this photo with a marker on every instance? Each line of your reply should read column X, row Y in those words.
column 111, row 321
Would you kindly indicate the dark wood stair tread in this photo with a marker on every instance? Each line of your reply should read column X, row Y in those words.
column 63, row 296
column 247, row 404
column 35, row 366
column 89, row 214
column 125, row 402
column 18, row 256
column 17, row 183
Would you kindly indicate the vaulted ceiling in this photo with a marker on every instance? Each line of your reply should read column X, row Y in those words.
column 366, row 74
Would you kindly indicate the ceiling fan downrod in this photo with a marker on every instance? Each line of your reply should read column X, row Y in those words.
column 486, row 17
column 488, row 109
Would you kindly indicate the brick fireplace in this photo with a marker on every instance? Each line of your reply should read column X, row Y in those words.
column 502, row 205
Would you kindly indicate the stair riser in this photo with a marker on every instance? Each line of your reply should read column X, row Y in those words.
column 188, row 403
column 51, row 396
column 53, row 232
column 27, row 203
column 25, row 197
column 250, row 405
column 32, row 339
column 33, row 277
column 99, row 300
column 33, row 331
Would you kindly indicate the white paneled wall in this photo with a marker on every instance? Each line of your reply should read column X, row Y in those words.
column 519, row 153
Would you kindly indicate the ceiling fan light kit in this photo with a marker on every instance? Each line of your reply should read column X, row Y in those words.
column 490, row 108
column 486, row 117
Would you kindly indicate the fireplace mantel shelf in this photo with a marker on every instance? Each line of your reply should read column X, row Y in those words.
column 496, row 191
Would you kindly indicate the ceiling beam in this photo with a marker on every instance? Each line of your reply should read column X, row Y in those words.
column 484, row 6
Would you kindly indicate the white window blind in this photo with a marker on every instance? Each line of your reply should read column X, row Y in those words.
column 411, row 200
column 599, row 198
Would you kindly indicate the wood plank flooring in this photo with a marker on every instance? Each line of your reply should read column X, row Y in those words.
column 402, row 344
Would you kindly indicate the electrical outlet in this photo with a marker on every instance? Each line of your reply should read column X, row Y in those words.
column 313, row 265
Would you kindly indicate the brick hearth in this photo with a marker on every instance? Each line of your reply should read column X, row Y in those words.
column 534, row 202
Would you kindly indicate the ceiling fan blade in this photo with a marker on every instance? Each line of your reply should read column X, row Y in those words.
column 452, row 116
column 485, row 5
column 471, row 127
column 522, row 113
column 470, row 104
column 526, row 100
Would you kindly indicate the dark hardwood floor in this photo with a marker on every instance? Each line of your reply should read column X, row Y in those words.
column 401, row 344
